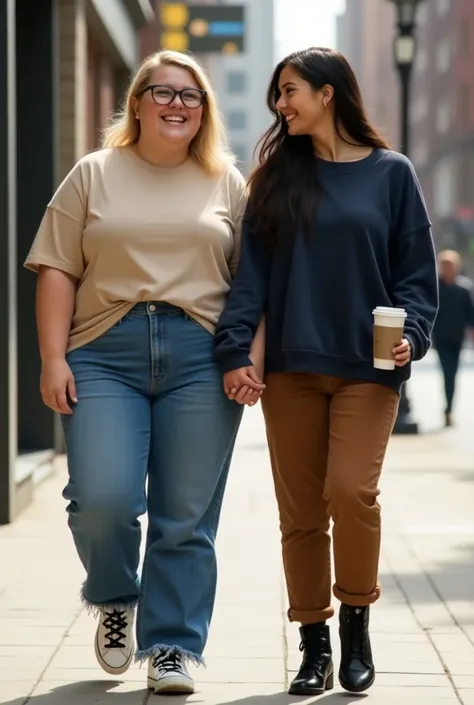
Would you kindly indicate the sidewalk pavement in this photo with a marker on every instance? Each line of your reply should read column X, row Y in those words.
column 422, row 628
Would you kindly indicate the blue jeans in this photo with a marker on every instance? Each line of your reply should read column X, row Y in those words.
column 150, row 405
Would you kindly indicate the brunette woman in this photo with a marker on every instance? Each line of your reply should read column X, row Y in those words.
column 336, row 225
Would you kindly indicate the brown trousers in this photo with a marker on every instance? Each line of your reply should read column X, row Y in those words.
column 327, row 438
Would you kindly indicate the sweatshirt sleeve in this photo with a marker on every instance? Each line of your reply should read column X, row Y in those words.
column 246, row 302
column 413, row 260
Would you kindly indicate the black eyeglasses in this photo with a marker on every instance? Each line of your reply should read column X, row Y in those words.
column 164, row 95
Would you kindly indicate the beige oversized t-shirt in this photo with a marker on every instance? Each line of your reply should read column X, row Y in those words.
column 131, row 232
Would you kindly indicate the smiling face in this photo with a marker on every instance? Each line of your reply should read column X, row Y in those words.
column 174, row 122
column 303, row 107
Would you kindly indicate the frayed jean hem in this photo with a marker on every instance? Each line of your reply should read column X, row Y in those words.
column 143, row 655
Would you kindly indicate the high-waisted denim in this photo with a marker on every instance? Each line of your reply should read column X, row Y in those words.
column 150, row 406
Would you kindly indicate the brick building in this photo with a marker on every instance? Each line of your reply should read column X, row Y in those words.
column 98, row 47
column 63, row 64
column 442, row 119
column 442, row 102
column 365, row 36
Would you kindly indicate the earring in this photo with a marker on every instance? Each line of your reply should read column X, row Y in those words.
column 325, row 103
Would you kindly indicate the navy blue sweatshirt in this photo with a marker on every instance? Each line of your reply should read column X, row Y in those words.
column 371, row 246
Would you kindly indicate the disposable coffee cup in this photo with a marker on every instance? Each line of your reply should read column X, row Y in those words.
column 389, row 324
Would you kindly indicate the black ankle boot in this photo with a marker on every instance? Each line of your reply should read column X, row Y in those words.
column 357, row 672
column 316, row 673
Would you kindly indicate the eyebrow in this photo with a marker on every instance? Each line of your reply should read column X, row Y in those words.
column 288, row 83
column 185, row 88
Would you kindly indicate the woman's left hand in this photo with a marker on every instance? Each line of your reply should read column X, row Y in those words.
column 402, row 353
column 246, row 395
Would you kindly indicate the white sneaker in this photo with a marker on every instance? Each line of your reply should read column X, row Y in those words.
column 167, row 673
column 114, row 644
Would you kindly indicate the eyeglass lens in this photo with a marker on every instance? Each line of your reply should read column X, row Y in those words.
column 163, row 95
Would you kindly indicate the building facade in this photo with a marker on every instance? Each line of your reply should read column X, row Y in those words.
column 365, row 36
column 63, row 65
column 441, row 106
column 241, row 82
column 442, row 120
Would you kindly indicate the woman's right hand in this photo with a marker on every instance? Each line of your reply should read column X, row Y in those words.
column 238, row 383
column 57, row 384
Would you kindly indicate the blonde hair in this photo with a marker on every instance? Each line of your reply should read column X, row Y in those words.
column 209, row 148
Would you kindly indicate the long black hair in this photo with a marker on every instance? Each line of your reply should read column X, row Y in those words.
column 284, row 187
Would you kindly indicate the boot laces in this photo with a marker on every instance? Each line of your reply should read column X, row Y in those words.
column 359, row 642
column 312, row 658
column 115, row 623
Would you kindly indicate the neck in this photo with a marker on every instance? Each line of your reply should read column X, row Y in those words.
column 329, row 145
column 161, row 155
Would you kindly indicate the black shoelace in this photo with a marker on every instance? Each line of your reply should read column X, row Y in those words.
column 311, row 658
column 115, row 623
column 168, row 661
column 358, row 637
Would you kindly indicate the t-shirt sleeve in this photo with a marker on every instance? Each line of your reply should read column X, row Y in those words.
column 238, row 196
column 58, row 242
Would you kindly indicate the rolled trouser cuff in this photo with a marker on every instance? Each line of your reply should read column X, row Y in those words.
column 310, row 616
column 357, row 600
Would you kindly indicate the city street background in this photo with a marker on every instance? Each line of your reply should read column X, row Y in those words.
column 66, row 64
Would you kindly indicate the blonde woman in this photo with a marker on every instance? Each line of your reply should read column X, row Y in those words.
column 135, row 256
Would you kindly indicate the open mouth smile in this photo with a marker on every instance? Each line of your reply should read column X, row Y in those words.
column 177, row 119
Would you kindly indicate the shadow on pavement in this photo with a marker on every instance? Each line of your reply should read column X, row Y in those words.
column 464, row 476
column 447, row 582
column 85, row 693
column 285, row 699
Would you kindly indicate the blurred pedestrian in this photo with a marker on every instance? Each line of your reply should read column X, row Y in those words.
column 455, row 317
column 336, row 226
column 135, row 256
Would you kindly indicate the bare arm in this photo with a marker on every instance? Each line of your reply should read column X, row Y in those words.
column 257, row 349
column 55, row 297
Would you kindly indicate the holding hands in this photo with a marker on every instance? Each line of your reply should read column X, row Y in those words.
column 245, row 385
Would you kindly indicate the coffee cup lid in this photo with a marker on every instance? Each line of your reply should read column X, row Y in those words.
column 387, row 311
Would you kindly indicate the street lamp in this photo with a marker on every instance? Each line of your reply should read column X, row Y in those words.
column 404, row 49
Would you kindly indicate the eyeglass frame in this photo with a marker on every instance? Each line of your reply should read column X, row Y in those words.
column 175, row 93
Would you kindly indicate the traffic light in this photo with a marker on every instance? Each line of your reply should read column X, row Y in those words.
column 203, row 29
